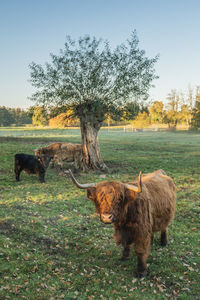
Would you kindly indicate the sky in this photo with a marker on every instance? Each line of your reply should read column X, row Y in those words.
column 32, row 29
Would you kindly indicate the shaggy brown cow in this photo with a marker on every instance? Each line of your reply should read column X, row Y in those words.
column 62, row 152
column 137, row 210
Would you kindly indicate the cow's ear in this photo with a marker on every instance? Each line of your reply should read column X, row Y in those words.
column 130, row 195
column 91, row 193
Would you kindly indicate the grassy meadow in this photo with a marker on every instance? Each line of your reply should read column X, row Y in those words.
column 53, row 246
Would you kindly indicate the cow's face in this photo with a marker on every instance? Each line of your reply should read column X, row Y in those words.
column 44, row 160
column 38, row 151
column 109, row 199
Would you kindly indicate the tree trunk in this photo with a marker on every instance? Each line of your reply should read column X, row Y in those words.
column 90, row 147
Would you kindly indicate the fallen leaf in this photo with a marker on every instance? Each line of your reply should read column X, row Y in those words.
column 160, row 287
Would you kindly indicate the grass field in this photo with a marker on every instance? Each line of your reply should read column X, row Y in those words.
column 53, row 246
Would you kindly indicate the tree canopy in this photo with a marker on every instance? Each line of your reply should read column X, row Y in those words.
column 87, row 72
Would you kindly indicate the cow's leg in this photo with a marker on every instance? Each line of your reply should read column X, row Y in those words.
column 41, row 177
column 141, row 251
column 164, row 237
column 141, row 265
column 126, row 252
column 122, row 237
column 52, row 163
column 152, row 238
column 76, row 166
column 77, row 161
column 60, row 164
column 17, row 173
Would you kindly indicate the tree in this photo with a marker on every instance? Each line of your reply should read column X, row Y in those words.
column 172, row 113
column 142, row 120
column 131, row 110
column 20, row 116
column 185, row 114
column 30, row 111
column 195, row 122
column 156, row 112
column 57, row 110
column 64, row 120
column 17, row 116
column 95, row 79
column 39, row 116
column 191, row 98
column 6, row 118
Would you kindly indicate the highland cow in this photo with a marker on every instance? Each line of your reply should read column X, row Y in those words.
column 136, row 209
column 32, row 165
column 62, row 152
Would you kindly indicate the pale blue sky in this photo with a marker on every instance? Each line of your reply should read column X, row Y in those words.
column 31, row 29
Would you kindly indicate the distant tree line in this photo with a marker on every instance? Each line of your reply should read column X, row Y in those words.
column 14, row 116
column 64, row 116
column 179, row 109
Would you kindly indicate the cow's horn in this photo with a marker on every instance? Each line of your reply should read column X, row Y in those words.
column 137, row 189
column 79, row 185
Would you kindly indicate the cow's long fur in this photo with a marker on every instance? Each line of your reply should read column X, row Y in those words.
column 137, row 216
column 62, row 152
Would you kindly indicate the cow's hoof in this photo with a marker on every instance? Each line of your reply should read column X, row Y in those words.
column 141, row 274
column 124, row 258
column 164, row 244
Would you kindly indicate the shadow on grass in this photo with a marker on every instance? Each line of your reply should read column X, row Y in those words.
column 46, row 244
column 33, row 140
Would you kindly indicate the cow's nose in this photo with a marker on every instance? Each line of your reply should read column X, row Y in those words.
column 107, row 218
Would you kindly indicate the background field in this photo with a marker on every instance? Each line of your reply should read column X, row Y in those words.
column 53, row 246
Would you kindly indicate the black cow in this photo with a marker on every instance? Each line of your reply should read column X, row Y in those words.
column 31, row 164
